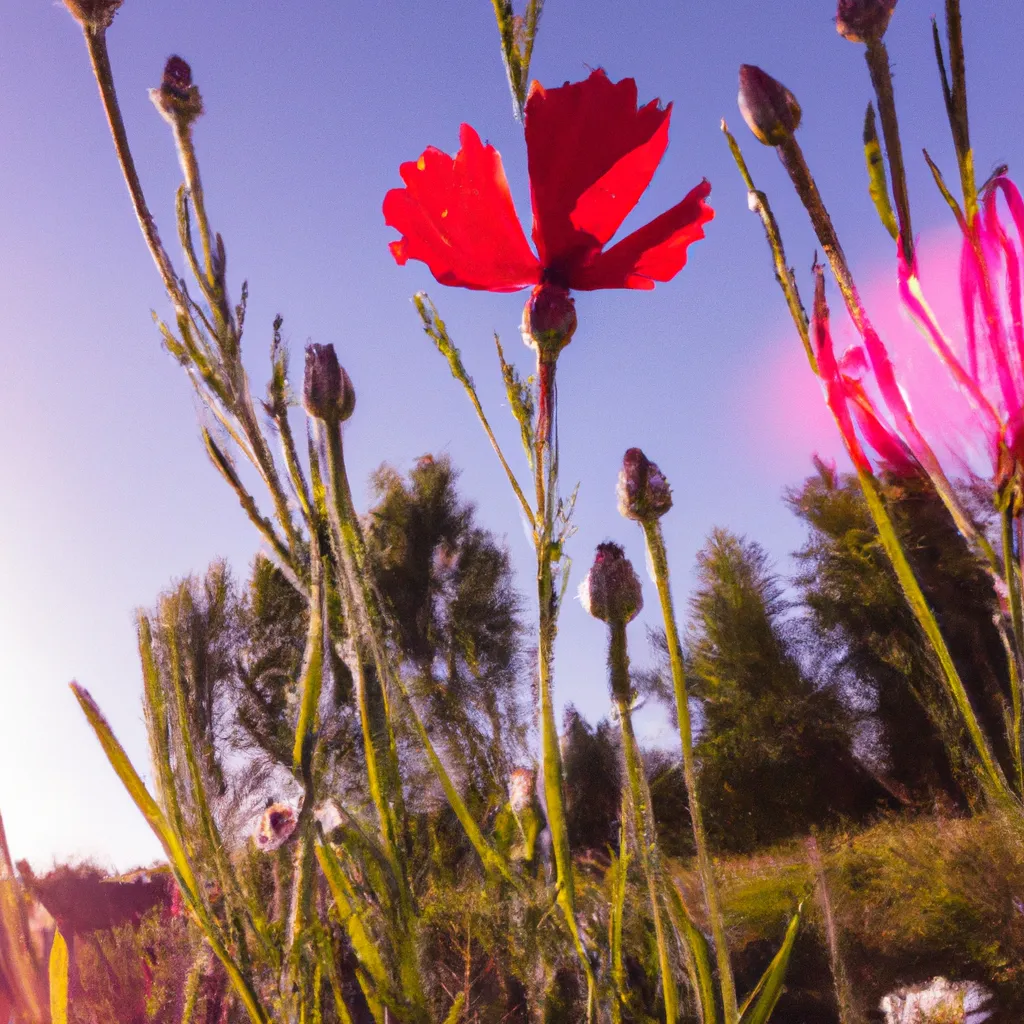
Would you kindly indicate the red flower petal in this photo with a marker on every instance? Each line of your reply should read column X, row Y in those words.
column 457, row 216
column 655, row 252
column 591, row 155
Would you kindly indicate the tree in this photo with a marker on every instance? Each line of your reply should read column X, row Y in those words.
column 858, row 610
column 454, row 613
column 774, row 747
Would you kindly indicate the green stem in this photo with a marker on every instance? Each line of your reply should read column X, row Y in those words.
column 881, row 79
column 643, row 815
column 371, row 617
column 1013, row 585
column 993, row 779
column 659, row 562
column 384, row 779
column 546, row 484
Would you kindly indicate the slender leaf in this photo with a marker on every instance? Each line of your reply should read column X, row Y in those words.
column 761, row 1002
column 58, row 980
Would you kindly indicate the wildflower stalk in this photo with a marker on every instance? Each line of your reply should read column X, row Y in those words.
column 640, row 804
column 1013, row 586
column 844, row 998
column 548, row 549
column 370, row 615
column 659, row 563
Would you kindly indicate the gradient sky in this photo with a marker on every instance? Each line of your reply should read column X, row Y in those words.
column 107, row 492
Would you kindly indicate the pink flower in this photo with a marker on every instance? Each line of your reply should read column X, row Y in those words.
column 847, row 398
column 990, row 369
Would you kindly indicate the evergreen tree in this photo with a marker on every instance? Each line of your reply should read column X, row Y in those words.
column 774, row 747
column 860, row 614
column 447, row 586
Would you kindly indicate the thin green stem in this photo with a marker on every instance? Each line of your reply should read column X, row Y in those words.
column 659, row 562
column 1013, row 586
column 993, row 779
column 546, row 484
column 783, row 272
column 643, row 818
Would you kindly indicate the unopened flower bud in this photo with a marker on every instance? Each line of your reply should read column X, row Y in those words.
column 95, row 15
column 520, row 789
column 177, row 98
column 769, row 108
column 327, row 391
column 862, row 21
column 644, row 493
column 611, row 590
column 276, row 827
column 549, row 320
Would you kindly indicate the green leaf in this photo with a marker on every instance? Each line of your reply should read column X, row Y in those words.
column 878, row 186
column 700, row 955
column 761, row 1002
column 456, row 1011
column 58, row 980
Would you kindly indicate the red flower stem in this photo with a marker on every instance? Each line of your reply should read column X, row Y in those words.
column 546, row 481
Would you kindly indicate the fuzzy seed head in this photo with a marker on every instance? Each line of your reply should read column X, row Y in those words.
column 611, row 590
column 862, row 21
column 644, row 493
column 94, row 15
column 769, row 108
column 327, row 391
column 549, row 320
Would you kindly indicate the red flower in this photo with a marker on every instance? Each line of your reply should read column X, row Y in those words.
column 591, row 155
column 847, row 399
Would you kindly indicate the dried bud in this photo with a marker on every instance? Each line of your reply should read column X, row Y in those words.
column 644, row 493
column 95, row 15
column 549, row 320
column 769, row 108
column 611, row 591
column 177, row 98
column 863, row 21
column 278, row 823
column 520, row 789
column 327, row 391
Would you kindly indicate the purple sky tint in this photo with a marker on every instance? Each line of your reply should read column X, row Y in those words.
column 108, row 495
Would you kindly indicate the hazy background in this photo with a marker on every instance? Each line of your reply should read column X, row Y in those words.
column 107, row 493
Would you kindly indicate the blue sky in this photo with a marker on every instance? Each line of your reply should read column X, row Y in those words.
column 108, row 495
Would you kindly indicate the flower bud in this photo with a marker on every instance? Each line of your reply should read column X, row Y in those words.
column 278, row 823
column 520, row 789
column 549, row 320
column 177, row 98
column 644, row 493
column 327, row 391
column 769, row 108
column 862, row 21
column 611, row 590
column 95, row 15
